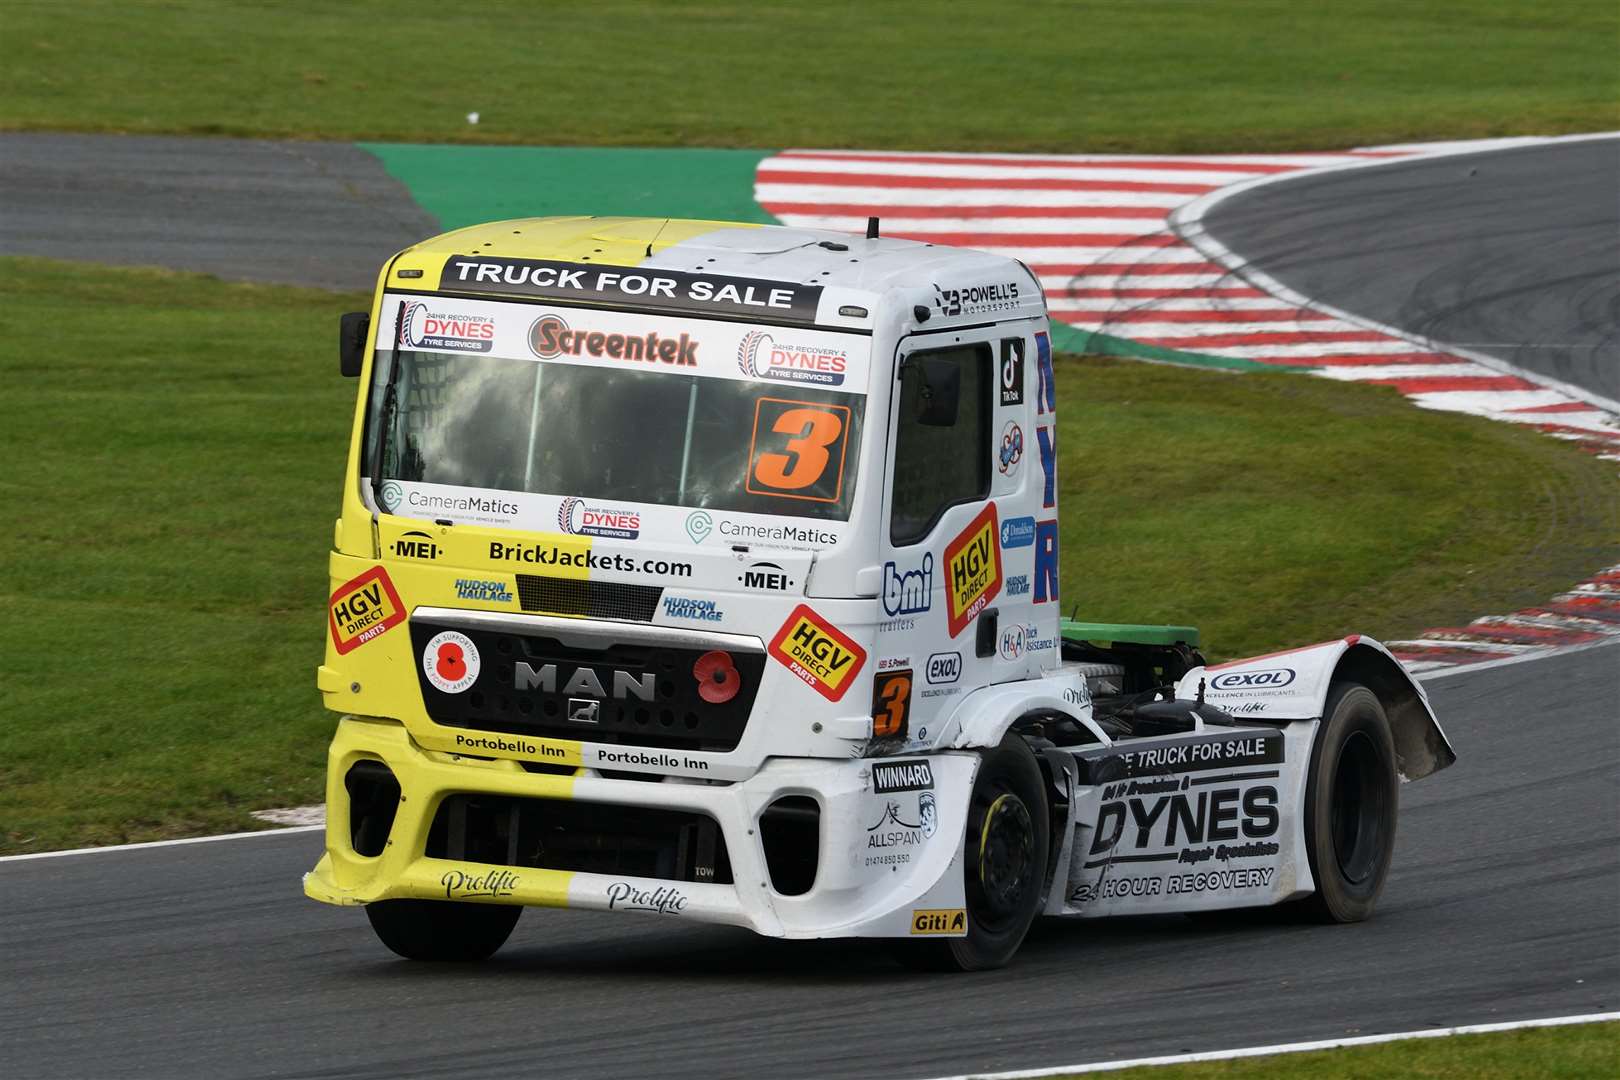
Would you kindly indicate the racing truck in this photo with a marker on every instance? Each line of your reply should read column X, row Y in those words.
column 709, row 572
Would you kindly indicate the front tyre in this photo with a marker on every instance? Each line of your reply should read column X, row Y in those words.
column 442, row 929
column 1350, row 805
column 1004, row 863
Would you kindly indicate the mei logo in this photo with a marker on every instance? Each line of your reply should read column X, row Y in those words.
column 577, row 519
column 414, row 545
column 424, row 329
column 761, row 356
column 1274, row 679
column 908, row 592
column 767, row 576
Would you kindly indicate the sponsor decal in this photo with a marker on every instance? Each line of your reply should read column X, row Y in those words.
column 1018, row 532
column 1012, row 642
column 976, row 299
column 1045, row 384
column 461, row 885
column 1011, row 454
column 450, row 661
column 939, row 921
column 667, row 290
column 944, row 667
column 1046, row 562
column 766, row 576
column 973, row 569
column 551, row 337
column 891, row 704
column 761, row 356
column 576, row 518
column 817, row 652
column 654, row 760
column 414, row 545
column 797, row 450
column 1256, row 850
column 1270, row 679
column 483, row 590
column 681, row 607
column 1033, row 641
column 1079, row 694
column 894, row 663
column 908, row 592
column 891, row 776
column 1012, row 371
column 583, row 682
column 1198, row 755
column 717, row 677
column 362, row 609
column 1018, row 585
column 664, row 900
column 465, row 504
column 892, row 830
column 510, row 745
column 421, row 328
column 1156, row 827
column 1258, row 877
column 699, row 525
column 780, row 535
column 581, row 557
column 392, row 495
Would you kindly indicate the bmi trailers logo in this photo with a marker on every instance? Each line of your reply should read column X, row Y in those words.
column 420, row 328
column 362, row 609
column 973, row 566
column 761, row 356
column 817, row 652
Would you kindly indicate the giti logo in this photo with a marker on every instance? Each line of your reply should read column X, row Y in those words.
column 939, row 921
column 818, row 653
column 973, row 566
column 414, row 545
column 363, row 608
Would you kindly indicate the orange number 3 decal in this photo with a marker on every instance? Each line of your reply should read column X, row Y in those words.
column 891, row 703
column 798, row 450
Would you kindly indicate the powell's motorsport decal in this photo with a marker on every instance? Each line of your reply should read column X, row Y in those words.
column 762, row 356
column 577, row 518
column 892, row 776
column 977, row 299
column 973, row 569
column 939, row 921
column 551, row 337
column 818, row 653
column 363, row 608
column 451, row 662
column 421, row 328
column 666, row 290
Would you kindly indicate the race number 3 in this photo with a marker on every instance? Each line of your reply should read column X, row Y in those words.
column 891, row 703
column 797, row 451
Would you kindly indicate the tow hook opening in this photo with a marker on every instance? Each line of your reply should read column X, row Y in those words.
column 373, row 802
column 790, row 832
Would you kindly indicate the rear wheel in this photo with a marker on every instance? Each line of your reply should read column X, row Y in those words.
column 1004, row 864
column 442, row 929
column 1350, row 805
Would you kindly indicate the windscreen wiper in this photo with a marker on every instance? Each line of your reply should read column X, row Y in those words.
column 390, row 403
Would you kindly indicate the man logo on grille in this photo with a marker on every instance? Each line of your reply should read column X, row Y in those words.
column 582, row 710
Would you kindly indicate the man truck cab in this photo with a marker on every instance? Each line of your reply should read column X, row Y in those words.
column 710, row 571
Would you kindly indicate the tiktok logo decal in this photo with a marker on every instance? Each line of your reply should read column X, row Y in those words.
column 450, row 661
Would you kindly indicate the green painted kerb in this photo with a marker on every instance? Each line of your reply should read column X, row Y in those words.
column 469, row 185
column 1128, row 632
column 1073, row 339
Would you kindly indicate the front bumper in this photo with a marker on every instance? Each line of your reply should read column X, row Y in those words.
column 882, row 858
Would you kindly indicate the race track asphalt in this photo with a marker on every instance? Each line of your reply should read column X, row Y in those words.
column 295, row 213
column 1514, row 253
column 206, row 960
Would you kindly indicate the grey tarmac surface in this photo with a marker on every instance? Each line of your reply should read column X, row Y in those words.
column 206, row 960
column 1513, row 253
column 296, row 213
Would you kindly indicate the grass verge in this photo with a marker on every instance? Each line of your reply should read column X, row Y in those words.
column 177, row 447
column 1575, row 1052
column 1146, row 76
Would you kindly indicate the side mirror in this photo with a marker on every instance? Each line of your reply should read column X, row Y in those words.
column 352, row 331
column 939, row 390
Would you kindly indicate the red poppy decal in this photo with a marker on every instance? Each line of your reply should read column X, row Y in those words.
column 718, row 681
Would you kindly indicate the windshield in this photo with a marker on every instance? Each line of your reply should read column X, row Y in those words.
column 591, row 407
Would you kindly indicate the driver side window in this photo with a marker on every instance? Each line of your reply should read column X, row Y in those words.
column 939, row 466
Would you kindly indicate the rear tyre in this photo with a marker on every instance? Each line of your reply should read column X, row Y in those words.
column 442, row 929
column 1350, row 806
column 1004, row 851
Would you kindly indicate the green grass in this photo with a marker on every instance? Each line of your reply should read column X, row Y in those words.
column 176, row 447
column 1127, row 75
column 1575, row 1052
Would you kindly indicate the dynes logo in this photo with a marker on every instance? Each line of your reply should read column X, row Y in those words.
column 766, row 575
column 1272, row 679
column 550, row 337
column 585, row 681
column 761, row 356
column 424, row 329
column 578, row 519
column 1176, row 820
column 908, row 592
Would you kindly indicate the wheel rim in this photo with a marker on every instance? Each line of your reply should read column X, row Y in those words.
column 1003, row 846
column 1358, row 809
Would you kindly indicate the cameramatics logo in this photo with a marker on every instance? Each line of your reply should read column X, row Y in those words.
column 761, row 356
column 577, row 518
column 425, row 329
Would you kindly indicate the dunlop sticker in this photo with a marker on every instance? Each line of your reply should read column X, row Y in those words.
column 363, row 608
column 939, row 921
column 818, row 653
column 973, row 569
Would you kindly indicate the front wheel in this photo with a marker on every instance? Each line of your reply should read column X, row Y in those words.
column 442, row 929
column 1350, row 805
column 1004, row 864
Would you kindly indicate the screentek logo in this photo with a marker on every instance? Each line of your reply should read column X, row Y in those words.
column 763, row 357
column 424, row 329
column 551, row 337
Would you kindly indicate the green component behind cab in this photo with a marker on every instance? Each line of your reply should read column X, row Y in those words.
column 1128, row 633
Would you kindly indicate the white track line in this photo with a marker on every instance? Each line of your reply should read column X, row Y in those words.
column 160, row 843
column 1287, row 1048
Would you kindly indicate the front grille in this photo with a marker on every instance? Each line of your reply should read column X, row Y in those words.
column 591, row 838
column 593, row 599
column 586, row 669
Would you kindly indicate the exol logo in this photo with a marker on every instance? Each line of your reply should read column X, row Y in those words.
column 1253, row 680
column 578, row 519
column 762, row 356
column 424, row 329
column 908, row 592
column 766, row 575
column 450, row 661
column 1012, row 449
column 584, row 681
column 943, row 668
column 550, row 337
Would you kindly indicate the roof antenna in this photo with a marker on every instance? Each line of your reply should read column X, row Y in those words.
column 871, row 228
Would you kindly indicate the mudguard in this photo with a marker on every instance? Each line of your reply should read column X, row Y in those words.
column 1294, row 685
